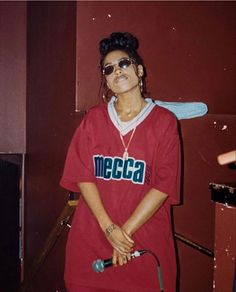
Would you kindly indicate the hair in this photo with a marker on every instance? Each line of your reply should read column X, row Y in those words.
column 127, row 43
column 122, row 41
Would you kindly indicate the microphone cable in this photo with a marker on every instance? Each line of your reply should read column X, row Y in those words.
column 100, row 265
column 159, row 273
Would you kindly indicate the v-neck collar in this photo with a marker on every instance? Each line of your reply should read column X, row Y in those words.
column 126, row 127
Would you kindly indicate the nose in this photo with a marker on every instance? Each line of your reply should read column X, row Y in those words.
column 117, row 69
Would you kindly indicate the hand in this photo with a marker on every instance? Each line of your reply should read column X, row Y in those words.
column 120, row 241
column 119, row 259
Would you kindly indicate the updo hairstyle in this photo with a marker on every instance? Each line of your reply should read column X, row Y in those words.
column 122, row 41
column 127, row 43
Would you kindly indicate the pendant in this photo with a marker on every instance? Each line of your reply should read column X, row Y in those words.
column 125, row 155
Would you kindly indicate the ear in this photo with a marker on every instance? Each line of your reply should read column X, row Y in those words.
column 140, row 70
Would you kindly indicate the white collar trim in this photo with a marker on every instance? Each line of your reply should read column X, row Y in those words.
column 126, row 127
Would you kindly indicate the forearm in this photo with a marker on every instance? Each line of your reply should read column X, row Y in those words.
column 92, row 197
column 116, row 236
column 148, row 206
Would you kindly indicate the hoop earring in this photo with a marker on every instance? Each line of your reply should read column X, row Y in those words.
column 104, row 97
column 106, row 94
column 141, row 84
column 103, row 90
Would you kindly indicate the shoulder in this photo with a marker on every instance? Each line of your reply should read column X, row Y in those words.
column 95, row 117
column 161, row 113
column 97, row 109
column 163, row 120
column 95, row 112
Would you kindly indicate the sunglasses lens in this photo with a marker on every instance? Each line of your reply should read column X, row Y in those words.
column 124, row 63
column 108, row 70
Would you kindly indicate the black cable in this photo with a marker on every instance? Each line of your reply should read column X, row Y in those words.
column 159, row 274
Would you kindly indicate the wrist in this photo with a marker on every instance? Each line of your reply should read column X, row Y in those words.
column 104, row 222
column 127, row 230
column 110, row 229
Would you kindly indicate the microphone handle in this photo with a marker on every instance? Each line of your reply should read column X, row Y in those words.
column 107, row 263
column 100, row 265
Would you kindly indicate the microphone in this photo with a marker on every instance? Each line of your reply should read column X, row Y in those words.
column 100, row 265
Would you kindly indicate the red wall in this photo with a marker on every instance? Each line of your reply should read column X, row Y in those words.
column 51, row 121
column 188, row 48
column 13, row 77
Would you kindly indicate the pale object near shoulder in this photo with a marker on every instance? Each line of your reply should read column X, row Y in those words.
column 183, row 110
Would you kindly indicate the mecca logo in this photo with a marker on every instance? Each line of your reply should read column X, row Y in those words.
column 116, row 168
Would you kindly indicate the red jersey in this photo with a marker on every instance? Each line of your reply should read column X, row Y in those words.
column 96, row 155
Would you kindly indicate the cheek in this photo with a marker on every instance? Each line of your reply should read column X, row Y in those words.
column 108, row 82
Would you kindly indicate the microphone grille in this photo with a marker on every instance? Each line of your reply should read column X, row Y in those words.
column 98, row 266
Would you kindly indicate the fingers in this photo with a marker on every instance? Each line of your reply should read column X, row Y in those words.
column 128, row 238
column 119, row 259
column 129, row 257
column 122, row 248
column 127, row 242
column 115, row 258
column 121, row 241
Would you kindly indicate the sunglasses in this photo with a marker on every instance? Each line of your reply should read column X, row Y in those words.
column 123, row 64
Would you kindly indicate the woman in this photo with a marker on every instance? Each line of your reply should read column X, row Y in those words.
column 124, row 159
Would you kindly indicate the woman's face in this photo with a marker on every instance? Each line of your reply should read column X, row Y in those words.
column 122, row 80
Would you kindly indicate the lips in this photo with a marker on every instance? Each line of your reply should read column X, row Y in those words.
column 120, row 78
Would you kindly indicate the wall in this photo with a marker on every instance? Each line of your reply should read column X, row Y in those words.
column 51, row 121
column 13, row 77
column 12, row 137
column 188, row 49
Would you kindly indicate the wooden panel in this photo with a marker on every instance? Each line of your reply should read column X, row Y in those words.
column 225, row 248
column 203, row 139
column 13, row 76
column 50, row 116
column 196, row 270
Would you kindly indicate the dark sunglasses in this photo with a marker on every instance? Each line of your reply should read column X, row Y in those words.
column 123, row 64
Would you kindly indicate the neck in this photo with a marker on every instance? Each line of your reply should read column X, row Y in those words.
column 129, row 106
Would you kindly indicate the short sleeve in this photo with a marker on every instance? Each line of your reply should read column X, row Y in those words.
column 78, row 165
column 167, row 162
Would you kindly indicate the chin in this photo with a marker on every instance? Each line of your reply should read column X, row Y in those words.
column 124, row 89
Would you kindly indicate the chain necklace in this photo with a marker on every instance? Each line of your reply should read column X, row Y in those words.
column 126, row 147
